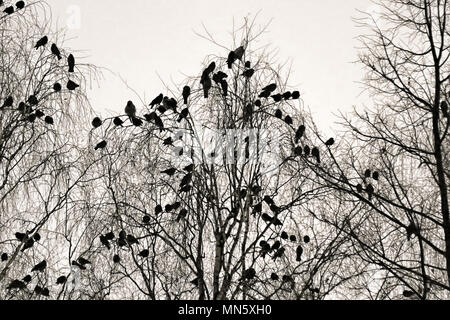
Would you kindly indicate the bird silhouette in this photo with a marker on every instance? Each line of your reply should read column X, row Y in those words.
column 248, row 64
column 284, row 235
column 330, row 142
column 41, row 42
column 39, row 113
column 408, row 294
column 189, row 168
column 146, row 219
column 9, row 10
column 83, row 261
column 170, row 172
column 49, row 120
column 116, row 259
column 279, row 114
column 9, row 101
column 176, row 205
column 56, row 51
column 20, row 5
column 359, row 188
column 40, row 267
column 157, row 101
column 265, row 248
column 118, row 122
column 158, row 209
column 101, row 145
column 293, row 238
column 144, row 253
column 4, row 257
column 136, row 122
column 22, row 237
column 105, row 242
column 132, row 239
column 186, row 94
column 168, row 141
column 277, row 97
column 16, row 284
column 45, row 292
column 61, row 280
column 276, row 246
column 370, row 191
column 186, row 189
column 32, row 100
column 207, row 85
column 368, row 173
column 274, row 277
column 411, row 229
column 295, row 95
column 299, row 253
column 289, row 120
column 444, row 108
column 307, row 150
column 299, row 133
column 27, row 279
column 110, row 236
column 257, row 208
column 71, row 62
column 279, row 254
column 265, row 94
column 130, row 109
column 219, row 77
column 182, row 215
column 31, row 118
column 376, row 176
column 186, row 180
column 316, row 154
column 258, row 103
column 224, row 86
column 97, row 122
column 239, row 52
column 249, row 274
column 231, row 59
column 28, row 244
column 72, row 85
column 248, row 73
column 287, row 95
column 57, row 87
column 271, row 87
column 306, row 239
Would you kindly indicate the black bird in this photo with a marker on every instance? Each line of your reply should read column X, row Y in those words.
column 367, row 174
column 306, row 239
column 265, row 94
column 444, row 108
column 41, row 42
column 257, row 208
column 118, row 122
column 266, row 218
column 231, row 59
column 279, row 114
column 186, row 94
column 183, row 214
column 277, row 222
column 122, row 242
column 176, row 206
column 150, row 117
column 408, row 294
column 159, row 123
column 206, row 87
column 144, row 253
column 56, row 51
column 136, row 122
column 168, row 141
column 183, row 115
column 27, row 279
column 122, row 234
column 157, row 100
column 158, row 209
column 287, row 95
column 22, row 237
column 71, row 62
column 211, row 68
column 16, row 284
column 132, row 239
column 9, row 10
column 39, row 113
column 32, row 100
column 83, row 261
column 258, row 103
column 370, row 191
column 376, row 176
column 249, row 274
column 268, row 200
column 194, row 282
column 170, row 172
column 40, row 267
column 279, row 254
column 316, row 154
column 72, row 85
column 277, row 97
column 101, row 145
column 274, row 277
column 330, row 142
column 276, row 246
column 28, row 244
column 61, row 280
column 38, row 290
column 289, row 120
column 284, row 235
column 186, row 189
column 189, row 168
column 224, row 85
column 298, row 151
column 32, row 117
column 105, row 242
column 359, row 188
column 219, row 77
column 293, row 238
column 45, row 292
column 239, row 53
column 271, row 87
column 307, row 150
column 116, row 258
column 287, row 278
column 57, row 87
column 299, row 253
column 4, row 257
column 110, row 236
column 8, row 102
column 295, row 95
column 186, row 180
column 130, row 109
column 146, row 219
column 20, row 5
column 410, row 230
column 248, row 64
column 97, row 122
column 249, row 73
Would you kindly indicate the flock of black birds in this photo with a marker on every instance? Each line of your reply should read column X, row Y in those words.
column 29, row 108
column 11, row 9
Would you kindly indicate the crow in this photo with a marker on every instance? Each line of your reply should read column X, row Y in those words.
column 157, row 100
column 32, row 118
column 183, row 214
column 276, row 246
column 316, row 154
column 101, row 145
column 410, row 230
column 39, row 114
column 16, row 284
column 219, row 77
column 299, row 253
column 71, row 62
column 295, row 95
column 370, row 191
column 170, row 172
column 249, row 274
column 110, row 236
column 186, row 189
column 118, row 122
column 97, row 122
column 8, row 102
column 4, row 257
column 61, row 280
column 57, row 87
column 257, row 208
column 144, row 253
column 132, row 240
column 40, row 267
column 279, row 254
column 293, row 238
column 32, row 100
column 265, row 94
column 186, row 94
column 136, row 122
column 307, row 150
column 41, row 42
column 9, row 10
column 168, row 142
column 56, row 51
column 289, row 120
column 330, row 142
column 27, row 279
column 130, row 109
column 28, row 244
column 287, row 95
column 249, row 73
column 359, row 188
column 271, row 87
column 189, row 168
column 158, row 209
column 186, row 180
column 248, row 64
column 105, row 242
column 146, row 219
column 279, row 114
column 306, row 239
column 231, row 59
column 83, row 261
column 22, row 237
column 299, row 134
column 258, row 103
column 224, row 85
column 116, row 258
column 206, row 87
column 277, row 97
column 367, row 173
column 239, row 53
column 274, row 277
column 376, row 176
column 72, row 85
column 20, row 5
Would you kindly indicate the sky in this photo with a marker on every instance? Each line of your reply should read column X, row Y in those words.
column 145, row 42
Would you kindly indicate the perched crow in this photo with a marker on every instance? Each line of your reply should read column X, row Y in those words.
column 132, row 239
column 298, row 151
column 268, row 200
column 306, row 239
column 410, row 230
column 61, row 280
column 239, row 53
column 71, row 62
column 257, row 208
column 118, row 122
column 16, row 284
column 130, row 109
column 266, row 218
column 101, row 145
column 370, row 191
column 57, row 87
column 105, row 242
column 279, row 114
column 186, row 189
column 146, row 219
column 307, row 150
column 295, row 95
column 284, row 235
column 206, row 87
column 277, row 97
column 186, row 180
column 249, row 73
column 189, row 168
column 4, row 257
column 224, row 85
column 299, row 253
column 289, row 120
column 186, row 94
column 32, row 118
column 176, row 206
column 39, row 113
column 293, row 238
column 9, row 10
column 157, row 100
column 376, row 176
column 265, row 94
column 8, row 102
column 20, row 5
column 40, row 267
column 136, row 122
column 408, row 294
column 183, row 214
column 150, row 117
column 72, row 85
column 248, row 64
column 287, row 95
column 28, row 244
column 231, row 59
column 219, row 77
column 144, row 253
column 22, row 237
column 279, row 254
column 27, row 279
column 38, row 290
column 158, row 209
column 258, row 103
column 97, row 122
column 330, row 142
column 168, row 142
column 274, row 277
column 116, row 258
column 32, row 100
column 110, row 236
column 276, row 246
column 194, row 282
column 444, row 108
column 316, row 154
column 83, row 261
column 170, row 172
column 249, row 274
column 359, row 188
column 368, row 173
column 41, row 42
column 271, row 87
column 56, row 51
column 122, row 242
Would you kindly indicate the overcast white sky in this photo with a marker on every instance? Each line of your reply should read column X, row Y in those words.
column 140, row 39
